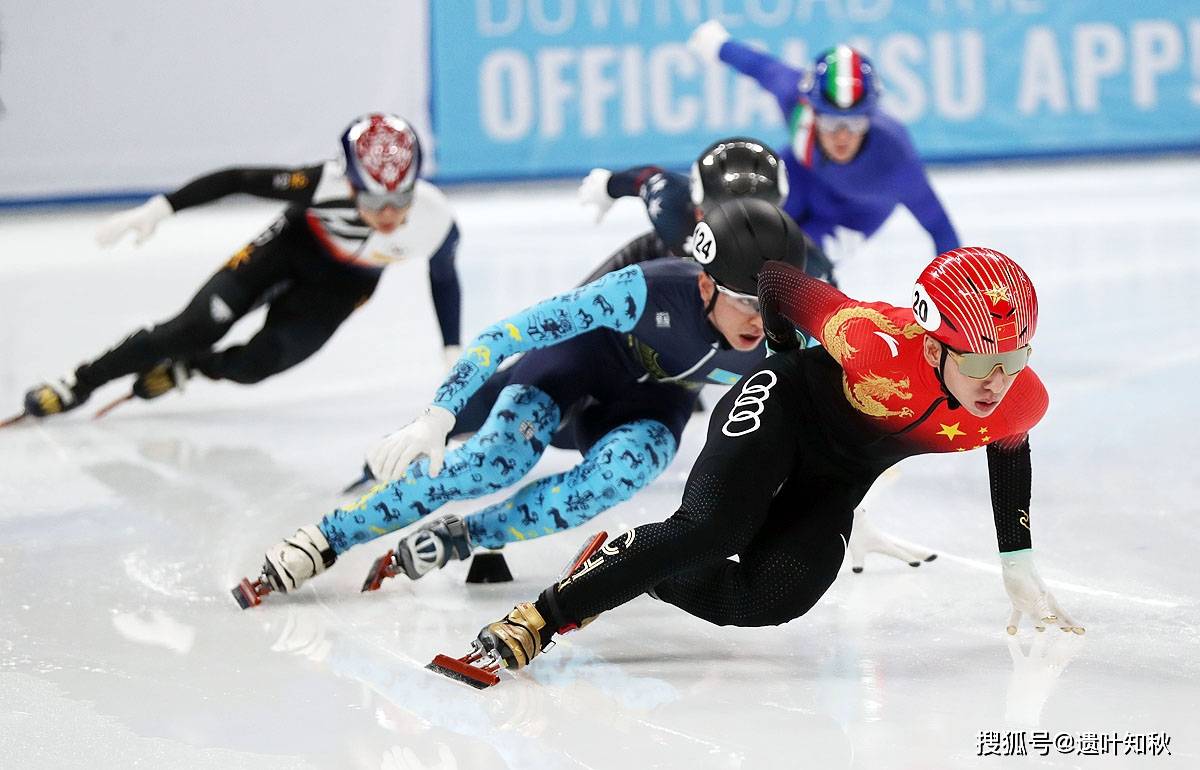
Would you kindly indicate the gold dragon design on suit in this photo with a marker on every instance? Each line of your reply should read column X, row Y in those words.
column 869, row 393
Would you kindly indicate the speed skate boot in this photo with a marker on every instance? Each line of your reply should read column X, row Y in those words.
column 55, row 397
column 510, row 642
column 152, row 383
column 515, row 639
column 287, row 566
column 425, row 549
column 163, row 378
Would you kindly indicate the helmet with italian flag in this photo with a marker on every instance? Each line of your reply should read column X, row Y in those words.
column 843, row 82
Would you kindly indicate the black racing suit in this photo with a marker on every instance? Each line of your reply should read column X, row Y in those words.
column 313, row 266
column 778, row 496
column 791, row 452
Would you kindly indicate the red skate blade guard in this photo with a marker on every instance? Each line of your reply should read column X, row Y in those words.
column 245, row 595
column 463, row 672
column 380, row 571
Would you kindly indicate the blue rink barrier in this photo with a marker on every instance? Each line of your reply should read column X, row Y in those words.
column 524, row 88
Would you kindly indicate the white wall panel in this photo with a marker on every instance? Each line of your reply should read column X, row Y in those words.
column 124, row 95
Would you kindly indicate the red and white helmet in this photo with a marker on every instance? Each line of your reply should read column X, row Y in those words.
column 383, row 156
column 976, row 300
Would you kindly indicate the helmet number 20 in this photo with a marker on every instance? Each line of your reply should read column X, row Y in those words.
column 925, row 310
column 920, row 306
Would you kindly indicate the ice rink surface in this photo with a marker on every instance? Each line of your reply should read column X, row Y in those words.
column 120, row 645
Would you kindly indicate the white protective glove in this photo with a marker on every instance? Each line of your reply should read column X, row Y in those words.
column 140, row 221
column 707, row 39
column 865, row 538
column 842, row 244
column 450, row 355
column 593, row 191
column 1029, row 595
column 426, row 435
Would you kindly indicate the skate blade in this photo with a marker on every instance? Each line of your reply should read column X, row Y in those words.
column 112, row 405
column 381, row 570
column 247, row 595
column 589, row 548
column 14, row 419
column 459, row 671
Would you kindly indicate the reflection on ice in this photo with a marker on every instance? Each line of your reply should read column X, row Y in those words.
column 1036, row 671
column 155, row 628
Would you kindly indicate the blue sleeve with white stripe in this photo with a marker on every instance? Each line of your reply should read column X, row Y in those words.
column 616, row 301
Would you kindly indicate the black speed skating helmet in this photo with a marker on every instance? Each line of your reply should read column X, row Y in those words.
column 736, row 237
column 738, row 166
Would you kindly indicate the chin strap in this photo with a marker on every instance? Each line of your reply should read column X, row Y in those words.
column 951, row 401
column 712, row 303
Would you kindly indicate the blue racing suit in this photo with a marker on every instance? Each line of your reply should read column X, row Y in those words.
column 622, row 358
column 859, row 195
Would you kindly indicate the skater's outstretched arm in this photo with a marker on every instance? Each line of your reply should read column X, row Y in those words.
column 711, row 42
column 295, row 184
column 668, row 201
column 793, row 300
column 915, row 192
column 444, row 286
column 780, row 79
column 290, row 184
column 1011, row 477
column 615, row 301
column 601, row 187
column 669, row 205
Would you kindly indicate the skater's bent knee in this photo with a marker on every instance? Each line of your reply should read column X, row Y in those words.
column 190, row 329
column 706, row 535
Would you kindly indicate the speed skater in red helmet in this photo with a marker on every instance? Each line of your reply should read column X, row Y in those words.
column 979, row 310
column 796, row 445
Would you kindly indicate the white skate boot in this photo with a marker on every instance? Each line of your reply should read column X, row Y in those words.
column 288, row 564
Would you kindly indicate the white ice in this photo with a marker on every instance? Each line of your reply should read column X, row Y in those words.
column 121, row 646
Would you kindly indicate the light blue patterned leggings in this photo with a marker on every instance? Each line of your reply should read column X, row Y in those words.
column 500, row 453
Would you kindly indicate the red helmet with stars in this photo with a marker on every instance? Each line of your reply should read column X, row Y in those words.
column 976, row 300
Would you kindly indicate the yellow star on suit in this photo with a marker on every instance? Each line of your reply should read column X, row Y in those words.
column 950, row 431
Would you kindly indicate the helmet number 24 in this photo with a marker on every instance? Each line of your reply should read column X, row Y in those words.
column 704, row 244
